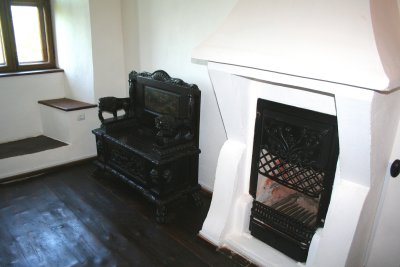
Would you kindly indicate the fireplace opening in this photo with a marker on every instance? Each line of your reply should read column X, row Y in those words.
column 294, row 161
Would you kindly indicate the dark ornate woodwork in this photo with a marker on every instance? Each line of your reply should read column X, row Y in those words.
column 293, row 167
column 154, row 147
column 113, row 105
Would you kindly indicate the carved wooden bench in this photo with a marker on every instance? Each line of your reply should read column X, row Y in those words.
column 154, row 146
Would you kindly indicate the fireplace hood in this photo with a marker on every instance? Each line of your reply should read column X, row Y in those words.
column 347, row 42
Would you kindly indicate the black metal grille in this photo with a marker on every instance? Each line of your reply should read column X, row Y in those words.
column 299, row 231
column 296, row 149
column 304, row 179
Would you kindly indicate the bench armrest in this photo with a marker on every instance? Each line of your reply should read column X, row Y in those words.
column 171, row 130
column 112, row 104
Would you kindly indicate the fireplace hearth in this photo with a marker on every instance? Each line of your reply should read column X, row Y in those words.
column 294, row 160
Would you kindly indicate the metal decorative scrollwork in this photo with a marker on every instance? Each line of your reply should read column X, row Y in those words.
column 298, row 145
column 288, row 155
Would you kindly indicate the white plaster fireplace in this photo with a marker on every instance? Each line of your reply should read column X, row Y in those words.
column 337, row 57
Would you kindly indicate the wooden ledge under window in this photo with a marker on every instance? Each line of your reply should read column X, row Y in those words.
column 29, row 72
column 66, row 104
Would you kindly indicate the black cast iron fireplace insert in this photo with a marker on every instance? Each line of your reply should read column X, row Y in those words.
column 294, row 160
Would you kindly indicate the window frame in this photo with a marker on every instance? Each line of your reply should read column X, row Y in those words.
column 10, row 52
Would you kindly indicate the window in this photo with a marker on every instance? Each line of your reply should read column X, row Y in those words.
column 26, row 39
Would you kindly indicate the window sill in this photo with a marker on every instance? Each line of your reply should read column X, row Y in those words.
column 29, row 72
column 66, row 104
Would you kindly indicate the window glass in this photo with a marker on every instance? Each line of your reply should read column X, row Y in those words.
column 2, row 56
column 28, row 38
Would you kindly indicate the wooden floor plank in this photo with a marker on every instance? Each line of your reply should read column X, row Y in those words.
column 68, row 218
column 157, row 244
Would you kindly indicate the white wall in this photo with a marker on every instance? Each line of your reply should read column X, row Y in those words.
column 20, row 114
column 130, row 27
column 63, row 126
column 99, row 41
column 91, row 70
column 90, row 48
column 109, row 75
column 74, row 47
column 164, row 36
column 385, row 245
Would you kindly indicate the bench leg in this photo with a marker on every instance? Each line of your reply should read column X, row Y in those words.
column 98, row 173
column 161, row 214
column 197, row 199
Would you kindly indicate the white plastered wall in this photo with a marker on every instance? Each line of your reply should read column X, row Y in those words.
column 109, row 75
column 90, row 71
column 74, row 47
column 20, row 114
column 90, row 48
column 99, row 42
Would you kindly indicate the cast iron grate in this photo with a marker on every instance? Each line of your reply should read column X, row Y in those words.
column 298, row 231
column 304, row 179
column 298, row 149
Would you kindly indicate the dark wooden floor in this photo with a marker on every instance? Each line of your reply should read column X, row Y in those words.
column 68, row 218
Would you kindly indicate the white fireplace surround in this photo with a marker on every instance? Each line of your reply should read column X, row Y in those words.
column 271, row 50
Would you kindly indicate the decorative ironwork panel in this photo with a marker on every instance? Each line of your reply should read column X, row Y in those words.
column 289, row 154
column 293, row 167
column 296, row 148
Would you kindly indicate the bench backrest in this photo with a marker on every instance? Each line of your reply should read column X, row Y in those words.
column 155, row 94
